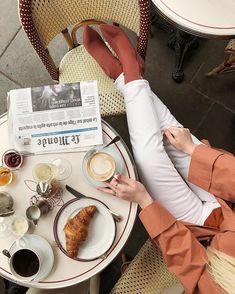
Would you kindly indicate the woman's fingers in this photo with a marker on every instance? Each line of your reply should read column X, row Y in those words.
column 177, row 131
column 106, row 190
column 174, row 129
column 127, row 189
column 114, row 182
column 117, row 186
column 111, row 190
column 122, row 179
column 181, row 138
column 170, row 137
column 109, row 185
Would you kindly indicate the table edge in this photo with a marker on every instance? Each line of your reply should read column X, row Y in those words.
column 198, row 33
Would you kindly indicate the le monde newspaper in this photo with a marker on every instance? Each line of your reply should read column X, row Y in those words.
column 61, row 117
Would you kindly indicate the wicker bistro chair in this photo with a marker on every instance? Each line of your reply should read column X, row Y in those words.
column 147, row 274
column 227, row 65
column 42, row 20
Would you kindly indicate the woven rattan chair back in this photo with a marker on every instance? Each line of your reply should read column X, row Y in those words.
column 147, row 274
column 228, row 65
column 42, row 20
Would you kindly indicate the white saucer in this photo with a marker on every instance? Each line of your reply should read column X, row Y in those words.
column 110, row 150
column 48, row 260
column 101, row 233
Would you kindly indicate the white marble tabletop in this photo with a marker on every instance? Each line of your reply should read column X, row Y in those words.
column 205, row 18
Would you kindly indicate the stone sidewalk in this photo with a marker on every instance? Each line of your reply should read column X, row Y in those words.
column 206, row 106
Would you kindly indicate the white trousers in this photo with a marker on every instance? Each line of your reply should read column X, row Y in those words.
column 162, row 168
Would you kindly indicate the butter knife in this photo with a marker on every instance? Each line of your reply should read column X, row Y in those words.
column 79, row 195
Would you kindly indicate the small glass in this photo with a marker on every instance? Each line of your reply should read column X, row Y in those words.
column 63, row 168
column 19, row 225
column 44, row 172
column 60, row 169
column 5, row 176
column 5, row 223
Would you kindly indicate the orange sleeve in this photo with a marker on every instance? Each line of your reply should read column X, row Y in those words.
column 214, row 171
column 184, row 255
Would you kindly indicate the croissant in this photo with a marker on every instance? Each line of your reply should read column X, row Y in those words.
column 76, row 229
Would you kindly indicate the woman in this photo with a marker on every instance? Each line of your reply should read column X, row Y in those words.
column 180, row 174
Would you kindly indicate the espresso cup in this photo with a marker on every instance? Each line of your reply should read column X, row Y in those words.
column 24, row 260
column 101, row 166
column 25, row 264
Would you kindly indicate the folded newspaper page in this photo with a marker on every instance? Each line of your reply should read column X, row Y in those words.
column 54, row 118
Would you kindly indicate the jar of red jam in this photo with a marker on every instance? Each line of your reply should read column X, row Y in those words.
column 12, row 159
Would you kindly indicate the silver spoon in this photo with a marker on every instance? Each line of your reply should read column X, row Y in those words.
column 114, row 140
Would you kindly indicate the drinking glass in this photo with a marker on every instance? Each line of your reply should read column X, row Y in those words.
column 5, row 223
column 63, row 168
column 60, row 169
column 44, row 172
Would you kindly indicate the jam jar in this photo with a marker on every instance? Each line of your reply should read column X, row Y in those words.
column 12, row 159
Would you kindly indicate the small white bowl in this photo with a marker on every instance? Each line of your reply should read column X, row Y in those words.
column 19, row 225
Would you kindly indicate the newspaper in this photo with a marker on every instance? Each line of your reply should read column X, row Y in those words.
column 59, row 117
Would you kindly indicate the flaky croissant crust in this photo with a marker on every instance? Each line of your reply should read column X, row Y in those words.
column 76, row 229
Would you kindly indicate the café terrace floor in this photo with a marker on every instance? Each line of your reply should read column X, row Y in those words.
column 205, row 105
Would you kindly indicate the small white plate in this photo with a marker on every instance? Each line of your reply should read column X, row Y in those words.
column 102, row 228
column 110, row 150
column 48, row 260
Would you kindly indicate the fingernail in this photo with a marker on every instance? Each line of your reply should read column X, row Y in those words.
column 116, row 176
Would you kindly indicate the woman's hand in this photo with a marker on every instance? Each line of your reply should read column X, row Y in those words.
column 181, row 138
column 128, row 189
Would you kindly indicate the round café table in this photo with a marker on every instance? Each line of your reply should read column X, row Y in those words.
column 66, row 271
column 203, row 18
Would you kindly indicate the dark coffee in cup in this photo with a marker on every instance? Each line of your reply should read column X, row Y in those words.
column 101, row 166
column 25, row 262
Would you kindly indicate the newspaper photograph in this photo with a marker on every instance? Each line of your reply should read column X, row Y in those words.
column 55, row 118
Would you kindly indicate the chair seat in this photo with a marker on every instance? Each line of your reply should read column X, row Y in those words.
column 147, row 274
column 77, row 65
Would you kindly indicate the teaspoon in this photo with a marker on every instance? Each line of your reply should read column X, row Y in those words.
column 114, row 140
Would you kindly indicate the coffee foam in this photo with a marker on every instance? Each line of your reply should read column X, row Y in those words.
column 101, row 166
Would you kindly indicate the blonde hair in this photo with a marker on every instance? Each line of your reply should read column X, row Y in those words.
column 222, row 269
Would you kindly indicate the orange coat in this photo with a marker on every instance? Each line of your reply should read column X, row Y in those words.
column 214, row 171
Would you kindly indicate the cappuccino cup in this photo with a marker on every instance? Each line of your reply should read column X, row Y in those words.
column 101, row 166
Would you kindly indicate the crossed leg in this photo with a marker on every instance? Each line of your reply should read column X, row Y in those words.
column 180, row 160
column 154, row 159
